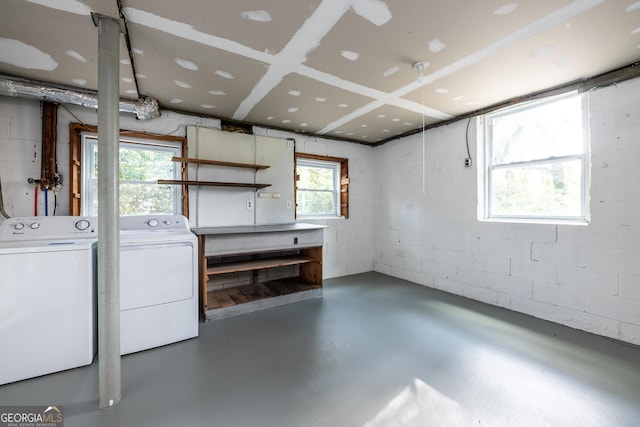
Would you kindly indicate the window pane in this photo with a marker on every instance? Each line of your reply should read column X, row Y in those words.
column 146, row 199
column 141, row 165
column 549, row 130
column 92, row 208
column 315, row 202
column 145, row 164
column 550, row 189
column 316, row 178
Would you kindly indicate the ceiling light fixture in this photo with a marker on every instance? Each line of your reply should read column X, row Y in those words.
column 420, row 67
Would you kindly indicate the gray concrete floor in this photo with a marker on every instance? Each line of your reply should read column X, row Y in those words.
column 375, row 351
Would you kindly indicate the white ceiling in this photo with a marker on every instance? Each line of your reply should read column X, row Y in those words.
column 338, row 68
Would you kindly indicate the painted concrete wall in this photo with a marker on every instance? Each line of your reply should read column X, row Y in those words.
column 20, row 154
column 587, row 277
column 349, row 243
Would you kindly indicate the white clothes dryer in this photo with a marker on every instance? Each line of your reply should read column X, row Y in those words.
column 158, row 281
column 47, row 295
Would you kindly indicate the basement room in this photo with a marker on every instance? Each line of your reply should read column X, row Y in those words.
column 341, row 213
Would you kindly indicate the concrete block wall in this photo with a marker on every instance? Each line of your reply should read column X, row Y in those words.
column 20, row 155
column 587, row 277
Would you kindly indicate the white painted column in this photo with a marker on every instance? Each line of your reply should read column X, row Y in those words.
column 109, row 369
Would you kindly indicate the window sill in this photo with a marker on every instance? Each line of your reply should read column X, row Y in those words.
column 550, row 221
column 319, row 218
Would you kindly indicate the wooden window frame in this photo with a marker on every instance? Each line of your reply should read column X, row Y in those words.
column 344, row 179
column 75, row 162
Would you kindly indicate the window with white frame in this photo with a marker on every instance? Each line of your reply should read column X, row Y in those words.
column 142, row 163
column 537, row 162
column 318, row 188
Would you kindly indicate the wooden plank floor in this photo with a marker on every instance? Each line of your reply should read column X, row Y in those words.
column 242, row 294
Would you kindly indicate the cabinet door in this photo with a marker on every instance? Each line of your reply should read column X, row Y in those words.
column 278, row 206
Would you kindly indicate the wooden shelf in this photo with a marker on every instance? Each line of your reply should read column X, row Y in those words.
column 279, row 270
column 217, row 163
column 230, row 297
column 257, row 264
column 212, row 183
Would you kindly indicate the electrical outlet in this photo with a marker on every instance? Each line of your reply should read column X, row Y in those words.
column 467, row 162
column 290, row 145
column 249, row 204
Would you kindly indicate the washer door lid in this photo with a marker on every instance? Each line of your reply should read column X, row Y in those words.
column 156, row 274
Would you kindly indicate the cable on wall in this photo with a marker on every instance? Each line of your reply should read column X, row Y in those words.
column 424, row 151
column 466, row 136
column 2, row 211
column 420, row 67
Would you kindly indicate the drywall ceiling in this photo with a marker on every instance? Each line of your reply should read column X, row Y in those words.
column 336, row 68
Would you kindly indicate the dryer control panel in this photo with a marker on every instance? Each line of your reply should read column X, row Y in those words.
column 154, row 223
column 48, row 228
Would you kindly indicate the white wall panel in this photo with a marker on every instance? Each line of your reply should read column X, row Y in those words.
column 220, row 206
column 278, row 154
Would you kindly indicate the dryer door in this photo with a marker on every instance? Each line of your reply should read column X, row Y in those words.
column 154, row 274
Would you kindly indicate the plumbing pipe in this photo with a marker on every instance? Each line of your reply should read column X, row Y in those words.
column 35, row 201
column 46, row 202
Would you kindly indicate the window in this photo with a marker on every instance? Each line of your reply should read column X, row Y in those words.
column 322, row 186
column 536, row 162
column 144, row 158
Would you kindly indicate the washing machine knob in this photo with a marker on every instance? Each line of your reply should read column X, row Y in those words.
column 18, row 226
column 167, row 222
column 83, row 224
column 152, row 223
column 34, row 225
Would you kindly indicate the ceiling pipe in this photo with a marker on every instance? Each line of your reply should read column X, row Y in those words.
column 144, row 108
column 127, row 41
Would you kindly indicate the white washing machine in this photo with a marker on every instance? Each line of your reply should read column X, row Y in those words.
column 158, row 281
column 47, row 295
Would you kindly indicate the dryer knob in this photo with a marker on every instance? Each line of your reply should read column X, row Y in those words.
column 18, row 226
column 83, row 224
column 152, row 223
column 34, row 226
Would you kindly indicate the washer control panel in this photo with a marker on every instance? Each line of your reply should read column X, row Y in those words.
column 48, row 227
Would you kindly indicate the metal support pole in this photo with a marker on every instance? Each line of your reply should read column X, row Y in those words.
column 109, row 374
